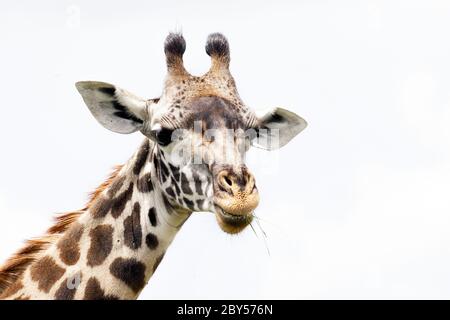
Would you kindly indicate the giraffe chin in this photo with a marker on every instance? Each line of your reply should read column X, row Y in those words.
column 232, row 223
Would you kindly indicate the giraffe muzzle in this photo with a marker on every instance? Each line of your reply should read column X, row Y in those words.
column 236, row 197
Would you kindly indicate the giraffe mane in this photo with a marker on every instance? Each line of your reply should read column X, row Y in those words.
column 16, row 265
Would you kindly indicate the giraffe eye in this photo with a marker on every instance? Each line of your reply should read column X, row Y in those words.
column 163, row 136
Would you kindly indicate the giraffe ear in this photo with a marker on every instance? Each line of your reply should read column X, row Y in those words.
column 276, row 128
column 116, row 109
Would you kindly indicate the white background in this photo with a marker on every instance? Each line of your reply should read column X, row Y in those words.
column 357, row 206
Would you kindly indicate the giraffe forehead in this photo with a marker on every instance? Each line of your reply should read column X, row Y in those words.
column 215, row 112
column 211, row 112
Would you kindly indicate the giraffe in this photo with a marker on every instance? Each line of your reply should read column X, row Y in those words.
column 112, row 247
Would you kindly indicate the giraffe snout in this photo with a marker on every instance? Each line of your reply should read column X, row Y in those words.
column 236, row 191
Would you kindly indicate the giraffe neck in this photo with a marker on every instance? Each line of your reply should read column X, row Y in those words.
column 115, row 246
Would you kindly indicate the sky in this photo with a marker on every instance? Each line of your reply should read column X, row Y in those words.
column 356, row 207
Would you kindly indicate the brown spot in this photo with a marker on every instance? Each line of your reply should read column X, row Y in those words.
column 152, row 241
column 93, row 291
column 170, row 192
column 141, row 157
column 46, row 272
column 100, row 207
column 116, row 186
column 22, row 297
column 198, row 183
column 121, row 200
column 158, row 261
column 185, row 184
column 144, row 184
column 12, row 289
column 189, row 203
column 101, row 244
column 68, row 288
column 200, row 204
column 152, row 216
column 132, row 228
column 68, row 245
column 130, row 271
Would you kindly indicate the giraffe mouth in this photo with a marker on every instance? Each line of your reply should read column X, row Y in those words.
column 232, row 223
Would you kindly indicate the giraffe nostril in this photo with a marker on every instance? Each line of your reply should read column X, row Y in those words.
column 225, row 183
column 228, row 181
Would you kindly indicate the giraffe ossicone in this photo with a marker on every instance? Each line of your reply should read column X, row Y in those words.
column 192, row 159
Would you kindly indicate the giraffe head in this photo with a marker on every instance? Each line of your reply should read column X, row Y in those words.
column 202, row 131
